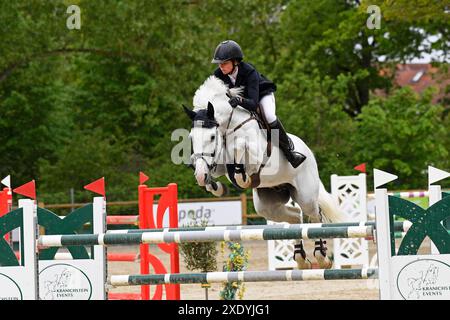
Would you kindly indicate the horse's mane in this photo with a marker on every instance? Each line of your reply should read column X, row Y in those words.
column 215, row 91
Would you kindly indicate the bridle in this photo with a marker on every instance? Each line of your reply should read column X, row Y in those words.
column 202, row 155
column 208, row 124
column 239, row 126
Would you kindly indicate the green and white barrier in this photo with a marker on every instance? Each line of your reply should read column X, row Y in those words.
column 404, row 273
column 18, row 279
column 83, row 275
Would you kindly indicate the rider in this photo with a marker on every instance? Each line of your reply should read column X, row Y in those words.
column 257, row 89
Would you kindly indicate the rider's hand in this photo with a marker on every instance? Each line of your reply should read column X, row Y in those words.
column 235, row 101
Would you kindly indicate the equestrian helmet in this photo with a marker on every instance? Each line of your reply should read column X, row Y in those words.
column 227, row 50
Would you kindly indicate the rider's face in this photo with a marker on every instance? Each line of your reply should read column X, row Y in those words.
column 226, row 67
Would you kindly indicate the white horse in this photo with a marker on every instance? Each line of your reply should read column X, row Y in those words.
column 229, row 142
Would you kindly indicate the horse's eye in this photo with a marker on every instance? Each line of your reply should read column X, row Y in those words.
column 212, row 138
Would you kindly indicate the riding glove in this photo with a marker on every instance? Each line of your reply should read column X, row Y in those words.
column 235, row 101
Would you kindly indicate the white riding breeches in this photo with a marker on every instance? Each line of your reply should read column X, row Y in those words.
column 268, row 107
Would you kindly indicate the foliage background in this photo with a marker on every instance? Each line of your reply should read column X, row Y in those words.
column 76, row 105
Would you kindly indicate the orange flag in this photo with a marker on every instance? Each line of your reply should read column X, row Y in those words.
column 98, row 186
column 361, row 167
column 28, row 190
column 142, row 177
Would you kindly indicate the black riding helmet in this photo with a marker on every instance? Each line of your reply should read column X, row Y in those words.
column 227, row 50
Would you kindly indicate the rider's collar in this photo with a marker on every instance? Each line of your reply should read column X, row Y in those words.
column 233, row 75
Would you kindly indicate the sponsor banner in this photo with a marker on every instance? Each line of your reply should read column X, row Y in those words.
column 214, row 213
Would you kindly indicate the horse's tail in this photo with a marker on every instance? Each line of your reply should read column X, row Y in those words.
column 330, row 207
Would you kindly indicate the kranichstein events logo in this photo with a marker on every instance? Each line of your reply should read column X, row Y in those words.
column 426, row 279
column 9, row 289
column 64, row 281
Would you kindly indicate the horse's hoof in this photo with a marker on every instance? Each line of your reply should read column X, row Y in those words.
column 300, row 257
column 303, row 263
column 244, row 184
column 324, row 262
column 322, row 259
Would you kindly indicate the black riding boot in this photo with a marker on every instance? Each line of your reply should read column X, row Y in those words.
column 295, row 158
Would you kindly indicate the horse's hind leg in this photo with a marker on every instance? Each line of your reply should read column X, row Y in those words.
column 310, row 207
column 300, row 256
column 272, row 205
column 320, row 253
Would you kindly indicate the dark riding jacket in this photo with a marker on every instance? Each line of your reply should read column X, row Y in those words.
column 255, row 84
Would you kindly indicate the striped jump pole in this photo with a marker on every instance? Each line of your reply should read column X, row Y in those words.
column 399, row 226
column 244, row 276
column 204, row 236
column 112, row 257
column 118, row 220
column 405, row 194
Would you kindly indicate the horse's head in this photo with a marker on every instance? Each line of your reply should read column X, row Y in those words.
column 209, row 124
column 206, row 142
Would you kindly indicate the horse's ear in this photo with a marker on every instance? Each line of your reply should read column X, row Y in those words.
column 210, row 112
column 191, row 114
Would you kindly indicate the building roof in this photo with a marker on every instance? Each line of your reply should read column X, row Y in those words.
column 420, row 76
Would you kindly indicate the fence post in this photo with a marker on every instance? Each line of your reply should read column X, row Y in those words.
column 244, row 208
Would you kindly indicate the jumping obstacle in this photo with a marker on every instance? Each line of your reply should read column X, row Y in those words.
column 18, row 280
column 111, row 257
column 122, row 220
column 5, row 205
column 400, row 226
column 350, row 193
column 205, row 236
column 403, row 273
column 245, row 276
column 83, row 276
column 405, row 194
column 396, row 269
column 84, row 265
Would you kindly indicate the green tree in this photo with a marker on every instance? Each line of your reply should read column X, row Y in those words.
column 403, row 134
column 333, row 37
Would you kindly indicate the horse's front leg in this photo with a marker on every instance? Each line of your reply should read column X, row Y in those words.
column 245, row 154
column 242, row 178
column 217, row 188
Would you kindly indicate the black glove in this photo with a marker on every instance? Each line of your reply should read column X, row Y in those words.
column 235, row 101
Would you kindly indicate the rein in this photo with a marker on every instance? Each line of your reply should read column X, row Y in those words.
column 252, row 117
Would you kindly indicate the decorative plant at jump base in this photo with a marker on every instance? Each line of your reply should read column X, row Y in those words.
column 200, row 255
column 237, row 261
